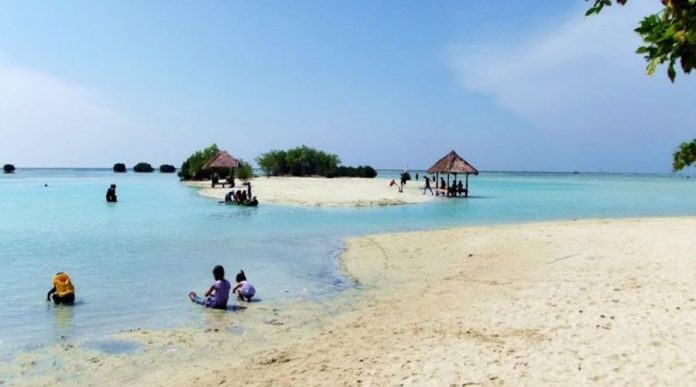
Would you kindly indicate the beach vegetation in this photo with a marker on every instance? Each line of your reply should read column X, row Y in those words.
column 167, row 168
column 244, row 171
column 298, row 161
column 685, row 156
column 8, row 168
column 669, row 36
column 119, row 167
column 192, row 168
column 143, row 167
column 360, row 171
column 273, row 163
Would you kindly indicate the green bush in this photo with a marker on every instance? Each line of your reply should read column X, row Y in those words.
column 143, row 167
column 120, row 167
column 273, row 163
column 361, row 171
column 8, row 168
column 368, row 172
column 192, row 168
column 244, row 171
column 299, row 161
column 167, row 168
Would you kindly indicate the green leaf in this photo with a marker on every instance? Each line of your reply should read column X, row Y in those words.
column 671, row 73
column 652, row 64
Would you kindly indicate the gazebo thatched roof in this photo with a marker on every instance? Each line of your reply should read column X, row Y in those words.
column 222, row 160
column 452, row 163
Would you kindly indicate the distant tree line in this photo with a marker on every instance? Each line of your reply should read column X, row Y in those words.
column 8, row 168
column 360, row 171
column 299, row 161
column 306, row 161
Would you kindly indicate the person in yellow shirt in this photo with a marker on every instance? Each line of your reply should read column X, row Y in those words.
column 63, row 290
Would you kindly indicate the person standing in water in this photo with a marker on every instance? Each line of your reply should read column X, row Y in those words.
column 111, row 194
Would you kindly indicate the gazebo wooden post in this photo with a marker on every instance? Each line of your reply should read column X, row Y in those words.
column 466, row 190
column 448, row 185
column 455, row 193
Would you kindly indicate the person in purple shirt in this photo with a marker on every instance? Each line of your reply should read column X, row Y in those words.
column 244, row 289
column 216, row 297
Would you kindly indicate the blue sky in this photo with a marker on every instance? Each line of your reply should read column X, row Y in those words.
column 516, row 85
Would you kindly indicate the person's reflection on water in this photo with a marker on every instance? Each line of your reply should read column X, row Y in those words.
column 63, row 320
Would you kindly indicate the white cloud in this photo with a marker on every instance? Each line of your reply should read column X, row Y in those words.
column 581, row 82
column 47, row 121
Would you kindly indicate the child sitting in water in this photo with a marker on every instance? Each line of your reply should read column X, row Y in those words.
column 216, row 297
column 244, row 289
column 63, row 290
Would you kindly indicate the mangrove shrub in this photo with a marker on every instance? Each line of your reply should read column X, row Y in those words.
column 192, row 168
column 8, row 168
column 360, row 171
column 244, row 171
column 299, row 161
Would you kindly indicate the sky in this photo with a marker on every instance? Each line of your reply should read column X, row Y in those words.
column 510, row 85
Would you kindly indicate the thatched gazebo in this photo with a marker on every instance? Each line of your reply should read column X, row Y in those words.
column 223, row 163
column 452, row 163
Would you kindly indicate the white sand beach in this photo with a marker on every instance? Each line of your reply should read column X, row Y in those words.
column 319, row 191
column 559, row 303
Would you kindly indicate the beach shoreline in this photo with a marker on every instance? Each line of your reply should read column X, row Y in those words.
column 603, row 301
column 323, row 192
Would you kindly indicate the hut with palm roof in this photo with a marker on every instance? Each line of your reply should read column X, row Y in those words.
column 452, row 164
column 222, row 164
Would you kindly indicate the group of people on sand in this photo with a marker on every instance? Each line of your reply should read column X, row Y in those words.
column 63, row 290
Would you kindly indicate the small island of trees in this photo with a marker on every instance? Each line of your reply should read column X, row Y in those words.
column 8, row 168
column 120, row 168
column 143, row 167
column 167, row 168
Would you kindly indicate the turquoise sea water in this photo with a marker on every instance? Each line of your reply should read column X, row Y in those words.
column 134, row 262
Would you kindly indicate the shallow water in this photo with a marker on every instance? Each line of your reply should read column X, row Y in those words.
column 134, row 262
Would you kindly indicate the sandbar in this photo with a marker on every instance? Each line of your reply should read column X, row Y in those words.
column 320, row 191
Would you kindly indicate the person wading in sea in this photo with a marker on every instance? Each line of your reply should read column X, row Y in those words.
column 111, row 194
